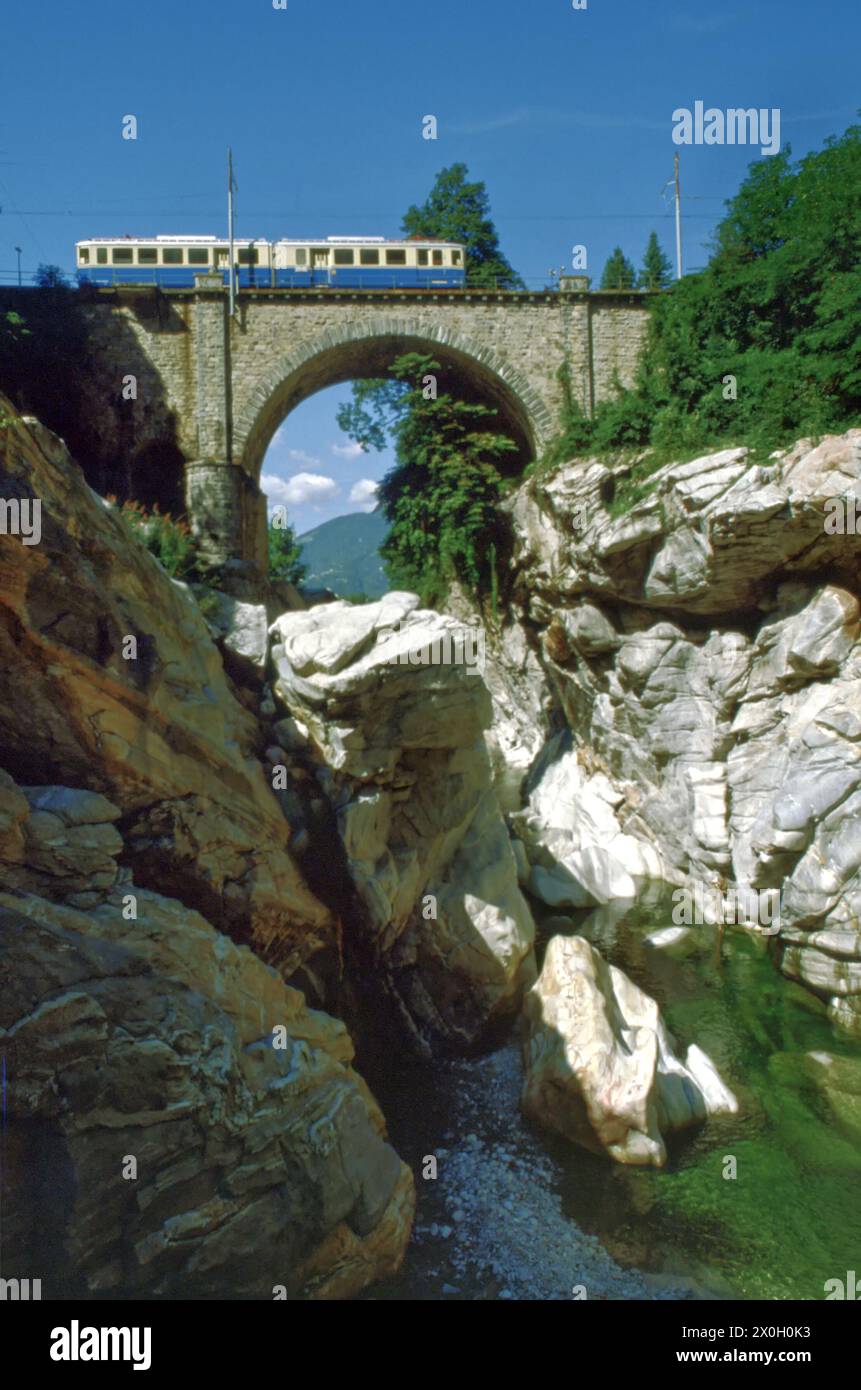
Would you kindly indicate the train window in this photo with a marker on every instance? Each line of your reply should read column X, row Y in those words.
column 369, row 256
column 437, row 257
column 249, row 255
column 455, row 258
column 172, row 255
column 122, row 255
column 101, row 255
column 423, row 257
column 396, row 258
column 148, row 255
column 198, row 255
column 83, row 255
column 301, row 255
column 344, row 257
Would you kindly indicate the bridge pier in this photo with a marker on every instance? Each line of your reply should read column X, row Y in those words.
column 227, row 513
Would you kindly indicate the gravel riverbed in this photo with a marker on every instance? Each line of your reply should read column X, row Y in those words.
column 491, row 1224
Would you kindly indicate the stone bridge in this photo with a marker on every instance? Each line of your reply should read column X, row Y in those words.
column 209, row 391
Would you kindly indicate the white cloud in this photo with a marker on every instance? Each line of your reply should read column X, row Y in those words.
column 300, row 456
column 302, row 487
column 363, row 494
column 350, row 450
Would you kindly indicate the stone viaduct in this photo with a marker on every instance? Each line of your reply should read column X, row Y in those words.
column 209, row 391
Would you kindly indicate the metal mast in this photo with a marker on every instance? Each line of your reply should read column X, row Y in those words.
column 232, row 273
column 678, row 224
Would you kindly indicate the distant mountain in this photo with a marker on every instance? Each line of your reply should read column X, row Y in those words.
column 343, row 555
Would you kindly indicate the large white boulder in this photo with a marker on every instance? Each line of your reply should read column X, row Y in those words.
column 600, row 1064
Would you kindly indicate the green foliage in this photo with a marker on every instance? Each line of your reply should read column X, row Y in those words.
column 778, row 308
column 208, row 601
column 656, row 272
column 370, row 415
column 51, row 277
column 576, row 430
column 441, row 498
column 285, row 553
column 762, row 347
column 457, row 210
column 619, row 273
column 169, row 540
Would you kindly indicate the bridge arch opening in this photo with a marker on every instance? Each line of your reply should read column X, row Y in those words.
column 473, row 374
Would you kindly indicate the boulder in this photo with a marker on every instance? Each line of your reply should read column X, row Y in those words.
column 241, row 630
column 600, row 1065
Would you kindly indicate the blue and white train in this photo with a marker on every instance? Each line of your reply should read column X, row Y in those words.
column 338, row 262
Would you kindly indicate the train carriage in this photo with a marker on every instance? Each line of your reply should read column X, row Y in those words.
column 364, row 263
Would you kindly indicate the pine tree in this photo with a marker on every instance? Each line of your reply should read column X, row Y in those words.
column 619, row 274
column 456, row 210
column 657, row 269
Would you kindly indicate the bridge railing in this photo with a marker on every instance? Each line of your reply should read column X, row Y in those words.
column 532, row 284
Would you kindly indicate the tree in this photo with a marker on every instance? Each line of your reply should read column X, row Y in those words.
column 778, row 308
column 369, row 417
column 51, row 277
column 285, row 553
column 657, row 269
column 441, row 498
column 457, row 210
column 619, row 274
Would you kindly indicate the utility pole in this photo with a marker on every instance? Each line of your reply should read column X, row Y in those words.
column 231, row 276
column 678, row 223
column 18, row 249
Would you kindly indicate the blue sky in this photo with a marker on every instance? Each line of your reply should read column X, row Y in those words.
column 565, row 114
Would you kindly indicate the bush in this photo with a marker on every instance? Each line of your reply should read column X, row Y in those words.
column 285, row 554
column 169, row 540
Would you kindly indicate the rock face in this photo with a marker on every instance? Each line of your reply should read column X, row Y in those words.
column 397, row 745
column 580, row 855
column 180, row 1123
column 703, row 648
column 125, row 695
column 600, row 1064
column 192, row 1126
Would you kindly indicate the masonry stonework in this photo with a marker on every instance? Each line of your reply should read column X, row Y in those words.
column 218, row 388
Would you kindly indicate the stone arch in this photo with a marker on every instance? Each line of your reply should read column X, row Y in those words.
column 365, row 349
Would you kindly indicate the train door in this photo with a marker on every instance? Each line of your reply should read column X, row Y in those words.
column 319, row 265
column 222, row 262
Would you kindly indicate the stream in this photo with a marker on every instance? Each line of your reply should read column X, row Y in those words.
column 515, row 1212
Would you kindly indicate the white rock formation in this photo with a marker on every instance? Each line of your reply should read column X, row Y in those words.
column 704, row 650
column 600, row 1065
column 395, row 722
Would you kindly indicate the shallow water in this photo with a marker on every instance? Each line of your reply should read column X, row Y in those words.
column 789, row 1220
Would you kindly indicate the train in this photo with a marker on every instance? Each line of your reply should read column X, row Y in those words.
column 336, row 262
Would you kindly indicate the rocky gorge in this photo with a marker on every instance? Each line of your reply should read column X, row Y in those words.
column 251, row 858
